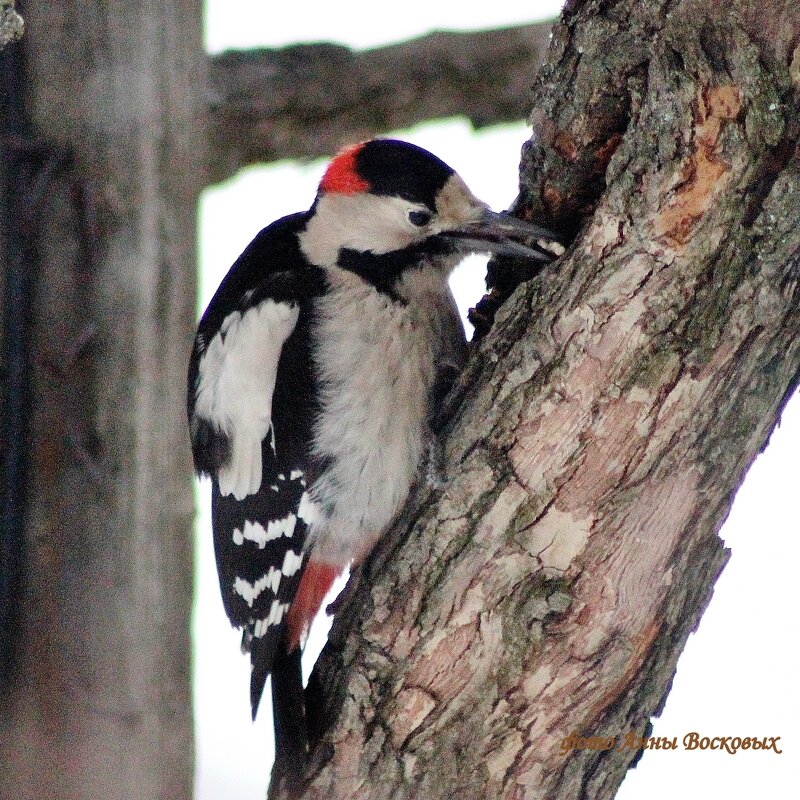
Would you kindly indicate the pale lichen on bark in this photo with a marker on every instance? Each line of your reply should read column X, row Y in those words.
column 12, row 25
column 604, row 424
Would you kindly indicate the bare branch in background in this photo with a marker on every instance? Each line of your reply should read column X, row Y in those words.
column 309, row 100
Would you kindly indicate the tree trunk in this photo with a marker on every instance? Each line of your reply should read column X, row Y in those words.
column 99, row 702
column 606, row 423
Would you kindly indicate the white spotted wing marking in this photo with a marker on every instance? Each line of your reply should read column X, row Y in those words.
column 275, row 616
column 291, row 563
column 250, row 591
column 255, row 532
column 236, row 382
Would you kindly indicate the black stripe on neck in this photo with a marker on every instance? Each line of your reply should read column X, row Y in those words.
column 384, row 270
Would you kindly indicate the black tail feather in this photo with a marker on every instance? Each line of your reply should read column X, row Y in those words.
column 288, row 711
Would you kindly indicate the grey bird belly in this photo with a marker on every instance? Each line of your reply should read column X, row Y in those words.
column 377, row 361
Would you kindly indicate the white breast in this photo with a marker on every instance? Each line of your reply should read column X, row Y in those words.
column 377, row 361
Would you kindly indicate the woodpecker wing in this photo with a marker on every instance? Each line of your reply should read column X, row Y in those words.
column 250, row 407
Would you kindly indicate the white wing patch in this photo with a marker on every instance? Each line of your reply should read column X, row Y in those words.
column 235, row 387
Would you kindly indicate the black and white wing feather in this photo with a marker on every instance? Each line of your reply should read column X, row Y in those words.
column 251, row 405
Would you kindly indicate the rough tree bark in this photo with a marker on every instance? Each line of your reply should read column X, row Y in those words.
column 604, row 426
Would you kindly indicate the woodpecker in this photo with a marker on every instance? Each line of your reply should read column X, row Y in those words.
column 313, row 380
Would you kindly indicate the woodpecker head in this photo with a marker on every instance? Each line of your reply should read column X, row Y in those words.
column 386, row 205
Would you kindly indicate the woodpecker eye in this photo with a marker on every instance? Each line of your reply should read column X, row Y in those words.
column 419, row 218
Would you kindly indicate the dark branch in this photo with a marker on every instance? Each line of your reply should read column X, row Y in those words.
column 308, row 100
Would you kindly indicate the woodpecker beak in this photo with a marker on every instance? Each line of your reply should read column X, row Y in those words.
column 502, row 234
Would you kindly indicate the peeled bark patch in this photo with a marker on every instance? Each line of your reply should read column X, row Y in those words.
column 703, row 175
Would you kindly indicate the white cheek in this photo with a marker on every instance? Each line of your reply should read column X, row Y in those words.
column 361, row 222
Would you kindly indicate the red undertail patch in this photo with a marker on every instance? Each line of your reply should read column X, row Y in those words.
column 314, row 585
column 342, row 175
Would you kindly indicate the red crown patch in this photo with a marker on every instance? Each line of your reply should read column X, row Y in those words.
column 342, row 175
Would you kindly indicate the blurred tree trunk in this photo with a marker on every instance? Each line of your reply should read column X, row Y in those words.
column 99, row 703
column 604, row 427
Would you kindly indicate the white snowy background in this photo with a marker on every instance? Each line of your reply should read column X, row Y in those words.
column 738, row 675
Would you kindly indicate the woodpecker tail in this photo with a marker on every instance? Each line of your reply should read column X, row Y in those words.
column 288, row 697
column 288, row 712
